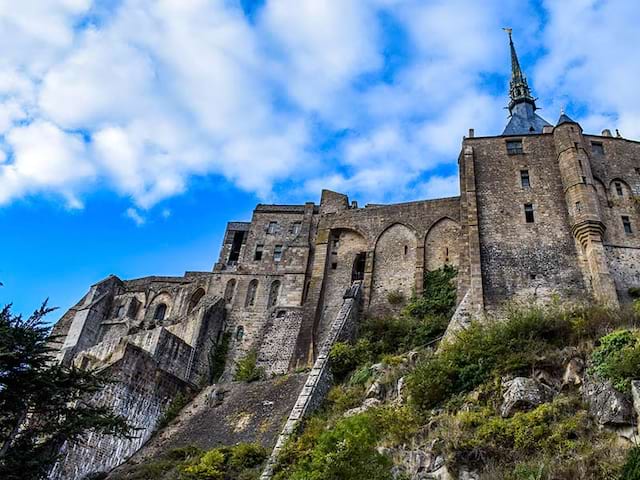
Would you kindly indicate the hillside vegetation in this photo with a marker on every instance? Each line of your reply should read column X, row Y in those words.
column 544, row 393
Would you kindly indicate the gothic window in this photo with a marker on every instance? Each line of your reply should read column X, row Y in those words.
column 597, row 148
column 251, row 293
column 160, row 312
column 524, row 178
column 274, row 291
column 296, row 227
column 626, row 223
column 257, row 256
column 277, row 253
column 272, row 228
column 619, row 189
column 514, row 147
column 528, row 212
column 195, row 298
column 229, row 290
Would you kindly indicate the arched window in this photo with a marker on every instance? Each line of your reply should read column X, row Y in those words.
column 251, row 293
column 274, row 291
column 195, row 298
column 229, row 291
column 239, row 333
column 160, row 312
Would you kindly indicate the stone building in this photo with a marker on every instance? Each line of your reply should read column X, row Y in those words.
column 543, row 211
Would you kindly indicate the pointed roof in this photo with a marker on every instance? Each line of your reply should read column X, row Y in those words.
column 522, row 105
column 564, row 118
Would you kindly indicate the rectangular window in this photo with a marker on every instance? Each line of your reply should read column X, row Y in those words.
column 272, row 228
column 296, row 227
column 514, row 147
column 528, row 212
column 597, row 148
column 277, row 253
column 637, row 171
column 619, row 189
column 524, row 178
column 258, row 254
column 626, row 223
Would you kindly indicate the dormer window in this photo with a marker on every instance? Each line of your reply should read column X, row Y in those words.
column 514, row 147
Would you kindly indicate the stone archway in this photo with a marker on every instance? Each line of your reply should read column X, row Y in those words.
column 442, row 245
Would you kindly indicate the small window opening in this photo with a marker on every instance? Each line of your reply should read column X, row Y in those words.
column 626, row 223
column 251, row 293
column 258, row 253
column 160, row 312
column 277, row 253
column 619, row 189
column 584, row 179
column 239, row 333
column 229, row 291
column 406, row 249
column 524, row 178
column 281, row 314
column 446, row 254
column 272, row 228
column 578, row 207
column 236, row 245
column 514, row 147
column 359, row 264
column 274, row 292
column 580, row 165
column 296, row 227
column 637, row 170
column 528, row 212
column 334, row 265
column 532, row 276
column 597, row 148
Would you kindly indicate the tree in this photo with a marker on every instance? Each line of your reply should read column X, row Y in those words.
column 42, row 403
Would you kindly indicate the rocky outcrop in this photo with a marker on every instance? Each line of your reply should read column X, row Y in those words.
column 607, row 405
column 523, row 393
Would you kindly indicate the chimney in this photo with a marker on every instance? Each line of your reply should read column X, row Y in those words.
column 472, row 133
column 606, row 132
column 547, row 129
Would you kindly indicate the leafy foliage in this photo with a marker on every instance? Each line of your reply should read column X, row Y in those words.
column 218, row 358
column 631, row 469
column 618, row 358
column 439, row 294
column 173, row 410
column 247, row 369
column 42, row 403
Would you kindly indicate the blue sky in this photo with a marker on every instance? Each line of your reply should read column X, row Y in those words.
column 131, row 131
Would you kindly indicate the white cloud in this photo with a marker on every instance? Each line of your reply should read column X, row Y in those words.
column 147, row 94
column 135, row 215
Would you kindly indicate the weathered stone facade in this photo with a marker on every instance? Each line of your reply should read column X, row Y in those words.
column 543, row 211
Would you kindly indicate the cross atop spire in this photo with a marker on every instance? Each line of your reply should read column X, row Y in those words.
column 518, row 88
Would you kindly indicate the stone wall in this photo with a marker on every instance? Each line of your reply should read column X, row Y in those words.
column 140, row 392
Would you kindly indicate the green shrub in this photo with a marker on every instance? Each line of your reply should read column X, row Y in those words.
column 395, row 297
column 618, row 358
column 634, row 292
column 247, row 455
column 631, row 469
column 218, row 358
column 439, row 294
column 482, row 351
column 247, row 369
column 346, row 451
column 173, row 410
column 345, row 357
column 209, row 467
column 341, row 398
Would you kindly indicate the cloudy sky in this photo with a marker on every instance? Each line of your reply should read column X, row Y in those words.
column 132, row 130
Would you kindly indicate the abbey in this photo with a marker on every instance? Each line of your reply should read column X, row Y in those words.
column 544, row 211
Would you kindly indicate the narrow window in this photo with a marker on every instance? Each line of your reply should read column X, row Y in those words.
column 296, row 227
column 274, row 291
column 334, row 265
column 406, row 249
column 578, row 207
column 272, row 228
column 251, row 293
column 120, row 311
column 580, row 164
column 584, row 179
column 239, row 333
column 528, row 212
column 161, row 310
column 626, row 223
column 514, row 147
column 619, row 189
column 524, row 178
column 446, row 254
column 277, row 253
column 229, row 291
column 258, row 253
column 597, row 148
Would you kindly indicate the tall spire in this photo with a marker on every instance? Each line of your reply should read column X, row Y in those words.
column 518, row 88
column 522, row 106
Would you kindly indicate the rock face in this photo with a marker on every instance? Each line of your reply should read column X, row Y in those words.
column 573, row 372
column 523, row 393
column 606, row 404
